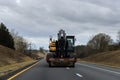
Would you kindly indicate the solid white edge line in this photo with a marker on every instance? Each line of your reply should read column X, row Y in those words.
column 78, row 75
column 99, row 68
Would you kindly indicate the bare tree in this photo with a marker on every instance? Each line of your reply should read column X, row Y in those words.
column 118, row 37
column 118, row 40
column 100, row 42
column 41, row 49
column 20, row 43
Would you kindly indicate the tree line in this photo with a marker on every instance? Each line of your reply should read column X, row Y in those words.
column 12, row 40
column 6, row 38
column 100, row 42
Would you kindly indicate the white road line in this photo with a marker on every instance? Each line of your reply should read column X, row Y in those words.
column 78, row 75
column 99, row 68
column 67, row 68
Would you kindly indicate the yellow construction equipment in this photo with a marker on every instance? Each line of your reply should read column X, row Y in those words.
column 61, row 50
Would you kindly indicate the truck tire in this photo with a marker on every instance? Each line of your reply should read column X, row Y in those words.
column 73, row 65
column 50, row 64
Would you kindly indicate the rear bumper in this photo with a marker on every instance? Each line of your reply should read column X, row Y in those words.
column 62, row 61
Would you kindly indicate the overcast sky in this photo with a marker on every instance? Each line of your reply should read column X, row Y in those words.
column 37, row 19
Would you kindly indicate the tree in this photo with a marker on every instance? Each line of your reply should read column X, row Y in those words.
column 21, row 44
column 100, row 42
column 80, row 50
column 41, row 49
column 6, row 38
column 118, row 37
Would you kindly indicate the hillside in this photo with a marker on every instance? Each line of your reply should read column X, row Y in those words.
column 9, row 56
column 37, row 54
column 11, row 60
column 111, row 58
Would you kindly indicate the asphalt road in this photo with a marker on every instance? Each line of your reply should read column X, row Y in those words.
column 82, row 71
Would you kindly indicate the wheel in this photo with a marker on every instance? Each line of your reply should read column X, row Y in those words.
column 73, row 65
column 49, row 64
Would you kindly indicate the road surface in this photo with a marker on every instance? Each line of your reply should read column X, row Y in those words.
column 82, row 71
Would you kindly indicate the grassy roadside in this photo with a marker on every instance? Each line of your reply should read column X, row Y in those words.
column 113, row 65
column 8, row 68
column 108, row 58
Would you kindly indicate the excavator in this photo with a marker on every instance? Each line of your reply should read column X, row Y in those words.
column 61, row 51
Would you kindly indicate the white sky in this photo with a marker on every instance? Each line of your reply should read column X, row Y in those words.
column 37, row 19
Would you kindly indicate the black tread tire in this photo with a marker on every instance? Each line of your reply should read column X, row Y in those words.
column 49, row 64
column 73, row 65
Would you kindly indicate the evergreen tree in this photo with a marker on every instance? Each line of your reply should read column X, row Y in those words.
column 6, row 38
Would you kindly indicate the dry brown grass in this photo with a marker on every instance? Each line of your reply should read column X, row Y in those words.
column 110, row 58
column 9, row 56
column 11, row 60
column 6, row 69
column 41, row 54
column 38, row 55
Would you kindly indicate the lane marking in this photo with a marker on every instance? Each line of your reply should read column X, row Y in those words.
column 67, row 68
column 100, row 68
column 22, row 71
column 78, row 75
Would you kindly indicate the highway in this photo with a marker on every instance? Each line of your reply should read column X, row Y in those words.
column 82, row 71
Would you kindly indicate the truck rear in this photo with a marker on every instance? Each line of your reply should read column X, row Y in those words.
column 54, row 61
column 62, row 51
